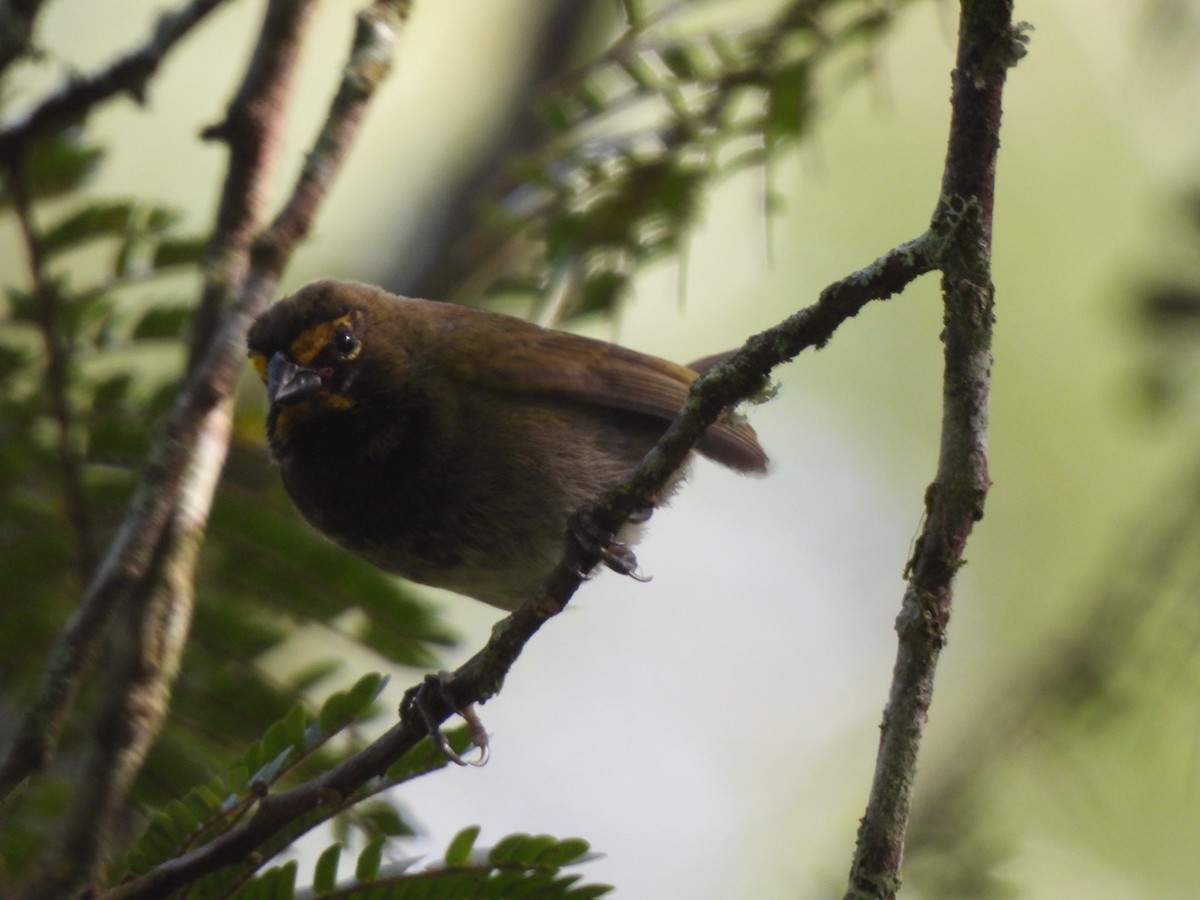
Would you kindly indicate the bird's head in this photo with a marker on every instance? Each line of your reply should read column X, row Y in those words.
column 310, row 350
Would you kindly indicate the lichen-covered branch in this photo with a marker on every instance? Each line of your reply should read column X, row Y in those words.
column 988, row 44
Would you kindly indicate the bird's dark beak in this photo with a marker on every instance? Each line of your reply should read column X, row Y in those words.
column 288, row 382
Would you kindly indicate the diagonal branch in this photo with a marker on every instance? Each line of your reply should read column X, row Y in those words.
column 741, row 377
column 988, row 45
column 481, row 677
column 129, row 74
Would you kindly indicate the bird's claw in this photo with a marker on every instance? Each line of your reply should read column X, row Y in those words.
column 613, row 553
column 418, row 700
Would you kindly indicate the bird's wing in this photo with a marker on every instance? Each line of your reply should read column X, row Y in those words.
column 530, row 359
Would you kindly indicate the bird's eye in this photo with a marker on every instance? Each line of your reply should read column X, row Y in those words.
column 345, row 342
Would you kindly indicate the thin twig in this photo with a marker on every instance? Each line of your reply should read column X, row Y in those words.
column 988, row 46
column 129, row 74
column 477, row 680
column 17, row 20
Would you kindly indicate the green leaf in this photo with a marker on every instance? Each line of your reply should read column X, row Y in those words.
column 590, row 891
column 365, row 691
column 869, row 26
column 635, row 13
column 284, row 736
column 592, row 98
column 459, row 852
column 556, row 116
column 14, row 360
column 269, row 772
column 564, row 852
column 155, row 219
column 97, row 220
column 178, row 252
column 325, row 872
column 789, row 103
column 383, row 818
column 22, row 307
column 514, row 849
column 55, row 165
column 600, row 293
column 162, row 322
column 367, row 866
column 110, row 393
column 345, row 706
column 641, row 73
column 278, row 883
column 170, row 826
column 183, row 817
column 683, row 61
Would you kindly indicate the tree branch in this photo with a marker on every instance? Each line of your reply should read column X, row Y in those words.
column 17, row 20
column 253, row 129
column 988, row 44
column 129, row 74
column 481, row 677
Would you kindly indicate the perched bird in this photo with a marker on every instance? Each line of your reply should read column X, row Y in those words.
column 451, row 445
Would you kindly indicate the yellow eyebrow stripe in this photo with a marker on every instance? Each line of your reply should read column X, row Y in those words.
column 310, row 343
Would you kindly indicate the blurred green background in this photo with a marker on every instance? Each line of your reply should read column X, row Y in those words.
column 1063, row 741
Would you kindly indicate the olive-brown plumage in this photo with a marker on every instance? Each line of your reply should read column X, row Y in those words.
column 450, row 445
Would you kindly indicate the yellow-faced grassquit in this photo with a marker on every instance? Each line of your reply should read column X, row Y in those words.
column 451, row 445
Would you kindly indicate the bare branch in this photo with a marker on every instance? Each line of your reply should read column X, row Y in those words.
column 988, row 45
column 129, row 74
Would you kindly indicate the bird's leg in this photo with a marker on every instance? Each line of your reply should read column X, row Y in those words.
column 435, row 690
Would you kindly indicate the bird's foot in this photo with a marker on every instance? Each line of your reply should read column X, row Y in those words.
column 433, row 692
column 604, row 544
